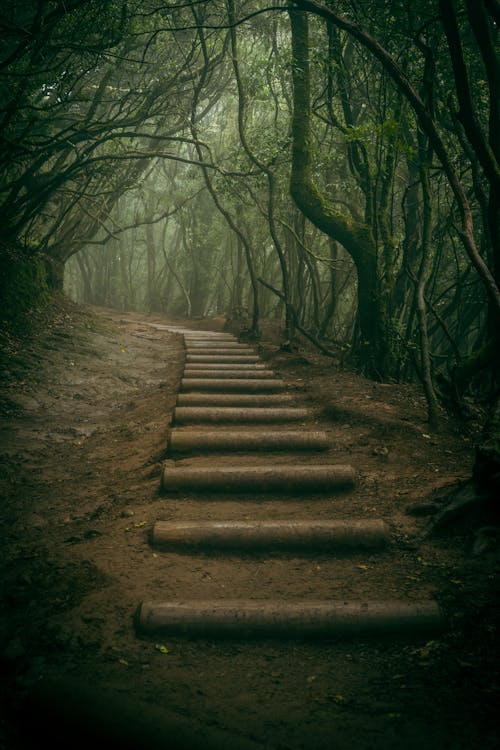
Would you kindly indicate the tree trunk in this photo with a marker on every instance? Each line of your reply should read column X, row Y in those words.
column 356, row 237
column 254, row 330
column 85, row 274
column 425, row 357
column 54, row 271
column 428, row 125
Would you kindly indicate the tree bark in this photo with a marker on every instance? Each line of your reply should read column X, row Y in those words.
column 429, row 126
column 271, row 181
column 254, row 331
column 425, row 357
column 356, row 237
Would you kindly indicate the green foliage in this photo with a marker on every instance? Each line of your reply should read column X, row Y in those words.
column 87, row 105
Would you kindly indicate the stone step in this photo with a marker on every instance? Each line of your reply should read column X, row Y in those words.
column 225, row 414
column 221, row 366
column 289, row 619
column 319, row 536
column 227, row 372
column 234, row 399
column 189, row 440
column 240, row 385
column 291, row 478
column 224, row 359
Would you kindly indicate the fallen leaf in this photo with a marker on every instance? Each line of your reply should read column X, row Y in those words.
column 362, row 567
column 162, row 649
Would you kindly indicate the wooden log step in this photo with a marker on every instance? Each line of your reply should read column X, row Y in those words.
column 240, row 366
column 223, row 347
column 226, row 372
column 208, row 336
column 213, row 343
column 224, row 359
column 214, row 336
column 284, row 619
column 234, row 399
column 192, row 333
column 165, row 327
column 190, row 440
column 221, row 352
column 261, row 478
column 228, row 385
column 329, row 536
column 248, row 414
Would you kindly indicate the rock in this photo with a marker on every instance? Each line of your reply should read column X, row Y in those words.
column 485, row 540
column 92, row 534
column 102, row 508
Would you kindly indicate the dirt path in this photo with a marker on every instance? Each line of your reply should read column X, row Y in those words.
column 84, row 418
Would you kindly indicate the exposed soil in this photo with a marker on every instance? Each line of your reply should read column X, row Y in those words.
column 85, row 411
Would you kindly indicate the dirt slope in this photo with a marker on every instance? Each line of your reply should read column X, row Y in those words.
column 84, row 415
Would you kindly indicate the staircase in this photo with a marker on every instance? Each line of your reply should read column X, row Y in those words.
column 236, row 433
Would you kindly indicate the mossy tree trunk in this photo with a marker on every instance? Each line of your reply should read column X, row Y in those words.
column 355, row 236
column 26, row 283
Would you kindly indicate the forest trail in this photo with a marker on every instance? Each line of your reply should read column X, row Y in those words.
column 86, row 415
column 253, row 463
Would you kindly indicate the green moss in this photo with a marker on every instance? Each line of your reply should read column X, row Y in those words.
column 24, row 290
